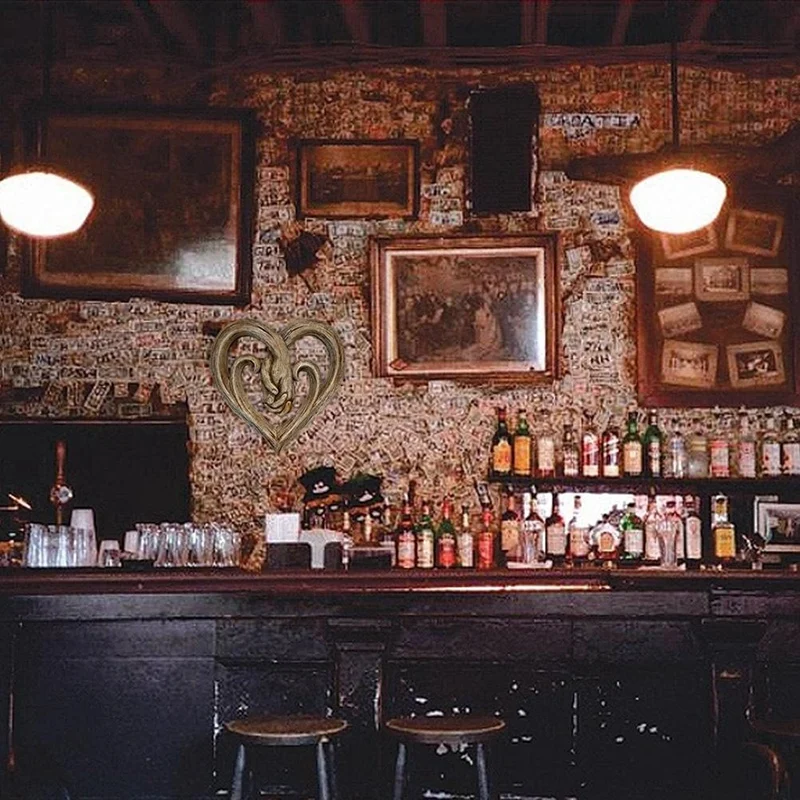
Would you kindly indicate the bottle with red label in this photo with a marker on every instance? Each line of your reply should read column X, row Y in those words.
column 486, row 539
column 719, row 448
column 590, row 450
column 406, row 538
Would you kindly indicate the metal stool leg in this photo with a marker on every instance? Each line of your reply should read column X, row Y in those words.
column 238, row 774
column 322, row 772
column 399, row 772
column 483, row 777
column 334, row 787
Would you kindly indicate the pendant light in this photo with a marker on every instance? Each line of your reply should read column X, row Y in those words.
column 37, row 200
column 680, row 198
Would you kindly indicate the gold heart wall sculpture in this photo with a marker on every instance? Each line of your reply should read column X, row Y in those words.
column 277, row 374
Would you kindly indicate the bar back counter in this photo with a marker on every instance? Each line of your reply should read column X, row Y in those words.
column 612, row 683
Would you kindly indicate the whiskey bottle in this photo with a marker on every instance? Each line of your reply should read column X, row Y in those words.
column 604, row 539
column 632, row 448
column 653, row 447
column 723, row 532
column 425, row 539
column 746, row 457
column 466, row 541
column 693, row 535
column 501, row 446
column 446, row 538
column 610, row 452
column 510, row 529
column 522, row 446
column 532, row 528
column 590, row 450
column 720, row 451
column 545, row 454
column 571, row 456
column 790, row 449
column 770, row 461
column 556, row 535
column 578, row 535
column 486, row 540
column 406, row 538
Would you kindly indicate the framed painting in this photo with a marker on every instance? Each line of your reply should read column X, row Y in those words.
column 472, row 308
column 339, row 178
column 719, row 308
column 778, row 524
column 173, row 206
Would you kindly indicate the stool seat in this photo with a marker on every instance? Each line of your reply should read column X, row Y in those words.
column 285, row 731
column 459, row 729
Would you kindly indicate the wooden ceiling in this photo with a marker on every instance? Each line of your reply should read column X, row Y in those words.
column 282, row 33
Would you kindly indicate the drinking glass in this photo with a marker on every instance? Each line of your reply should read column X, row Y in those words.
column 668, row 543
column 85, row 547
column 108, row 554
column 35, row 554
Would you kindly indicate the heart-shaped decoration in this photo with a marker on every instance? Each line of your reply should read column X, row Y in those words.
column 277, row 374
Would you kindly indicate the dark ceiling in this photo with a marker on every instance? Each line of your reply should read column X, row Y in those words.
column 286, row 32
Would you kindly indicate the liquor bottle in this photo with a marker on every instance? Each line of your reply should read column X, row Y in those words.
column 693, row 535
column 466, row 541
column 385, row 534
column 697, row 451
column 677, row 457
column 532, row 528
column 720, row 450
column 347, row 539
column 746, row 457
column 632, row 447
column 425, row 538
column 555, row 532
column 522, row 446
column 590, row 450
column 670, row 536
column 579, row 547
column 723, row 532
column 501, row 446
column 652, row 525
column 406, row 538
column 509, row 530
column 446, row 537
column 653, row 447
column 570, row 453
column 486, row 539
column 790, row 449
column 770, row 461
column 632, row 530
column 610, row 452
column 604, row 539
column 545, row 453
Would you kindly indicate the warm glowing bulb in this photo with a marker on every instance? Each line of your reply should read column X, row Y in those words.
column 678, row 200
column 43, row 204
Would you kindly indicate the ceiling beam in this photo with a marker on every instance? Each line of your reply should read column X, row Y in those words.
column 267, row 22
column 527, row 21
column 542, row 10
column 702, row 14
column 621, row 22
column 434, row 22
column 356, row 19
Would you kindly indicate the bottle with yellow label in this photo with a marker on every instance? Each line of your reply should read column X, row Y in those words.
column 501, row 446
column 522, row 445
column 723, row 532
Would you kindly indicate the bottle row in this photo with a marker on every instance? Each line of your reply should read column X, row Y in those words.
column 723, row 452
column 665, row 531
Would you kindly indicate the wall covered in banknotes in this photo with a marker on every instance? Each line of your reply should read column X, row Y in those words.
column 86, row 358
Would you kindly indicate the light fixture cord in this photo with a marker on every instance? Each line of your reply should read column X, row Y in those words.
column 672, row 16
column 46, row 56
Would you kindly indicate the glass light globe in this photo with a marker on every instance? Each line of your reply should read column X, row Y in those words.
column 43, row 204
column 678, row 200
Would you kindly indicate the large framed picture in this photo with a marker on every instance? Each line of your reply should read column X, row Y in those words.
column 778, row 524
column 173, row 206
column 340, row 178
column 475, row 308
column 718, row 308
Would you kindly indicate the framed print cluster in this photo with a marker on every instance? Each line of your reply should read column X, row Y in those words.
column 718, row 310
column 340, row 178
column 471, row 308
column 173, row 206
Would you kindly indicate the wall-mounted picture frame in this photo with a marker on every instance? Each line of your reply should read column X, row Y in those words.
column 718, row 308
column 468, row 308
column 778, row 524
column 343, row 178
column 173, row 205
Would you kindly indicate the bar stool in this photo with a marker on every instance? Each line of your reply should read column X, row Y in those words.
column 293, row 731
column 451, row 730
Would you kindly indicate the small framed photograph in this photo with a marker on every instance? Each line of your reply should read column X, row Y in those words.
column 339, row 178
column 764, row 320
column 755, row 232
column 720, row 280
column 758, row 500
column 677, row 320
column 474, row 308
column 769, row 280
column 755, row 364
column 683, row 245
column 674, row 280
column 689, row 364
column 779, row 526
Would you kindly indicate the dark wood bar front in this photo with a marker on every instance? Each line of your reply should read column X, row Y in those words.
column 611, row 683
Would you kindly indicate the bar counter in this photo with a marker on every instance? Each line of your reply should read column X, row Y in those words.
column 612, row 682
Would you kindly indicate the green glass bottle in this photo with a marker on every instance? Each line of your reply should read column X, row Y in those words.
column 653, row 447
column 632, row 448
